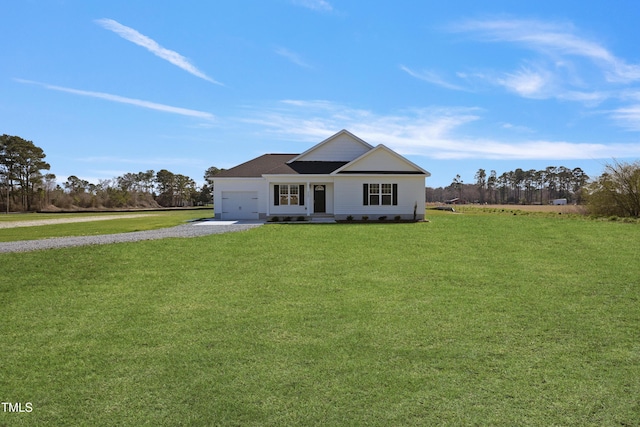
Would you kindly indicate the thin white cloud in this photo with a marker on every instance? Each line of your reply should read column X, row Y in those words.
column 516, row 128
column 627, row 117
column 569, row 66
column 527, row 83
column 291, row 56
column 95, row 174
column 319, row 5
column 430, row 77
column 438, row 133
column 152, row 46
column 589, row 98
column 632, row 94
column 550, row 38
column 150, row 162
column 123, row 100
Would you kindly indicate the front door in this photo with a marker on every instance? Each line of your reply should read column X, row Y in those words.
column 319, row 199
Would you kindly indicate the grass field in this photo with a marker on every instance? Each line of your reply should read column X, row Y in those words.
column 563, row 209
column 469, row 319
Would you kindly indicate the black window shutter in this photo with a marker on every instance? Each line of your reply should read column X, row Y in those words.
column 365, row 194
column 395, row 194
column 301, row 198
column 276, row 195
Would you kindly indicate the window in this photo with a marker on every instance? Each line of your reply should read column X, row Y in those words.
column 286, row 194
column 385, row 190
column 374, row 194
column 377, row 194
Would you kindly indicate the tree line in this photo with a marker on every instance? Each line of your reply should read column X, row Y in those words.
column 25, row 185
column 518, row 186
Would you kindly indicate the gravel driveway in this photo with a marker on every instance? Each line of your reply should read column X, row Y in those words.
column 38, row 222
column 196, row 229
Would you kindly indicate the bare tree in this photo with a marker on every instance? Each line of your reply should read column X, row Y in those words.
column 457, row 185
column 481, row 183
column 617, row 190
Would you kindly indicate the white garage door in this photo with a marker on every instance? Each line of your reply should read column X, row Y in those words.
column 239, row 205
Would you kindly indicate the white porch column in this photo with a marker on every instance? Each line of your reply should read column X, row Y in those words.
column 308, row 197
column 268, row 196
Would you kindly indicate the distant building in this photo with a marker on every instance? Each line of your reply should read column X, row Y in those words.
column 559, row 202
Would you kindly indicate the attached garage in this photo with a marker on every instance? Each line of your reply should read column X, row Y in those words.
column 239, row 205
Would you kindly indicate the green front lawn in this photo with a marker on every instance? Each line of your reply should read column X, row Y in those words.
column 472, row 319
column 143, row 220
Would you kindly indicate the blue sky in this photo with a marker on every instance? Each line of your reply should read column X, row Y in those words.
column 109, row 87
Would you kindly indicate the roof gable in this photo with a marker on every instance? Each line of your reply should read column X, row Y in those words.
column 365, row 160
column 381, row 159
column 341, row 147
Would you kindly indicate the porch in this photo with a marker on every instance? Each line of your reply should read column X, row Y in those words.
column 322, row 218
column 312, row 199
column 316, row 218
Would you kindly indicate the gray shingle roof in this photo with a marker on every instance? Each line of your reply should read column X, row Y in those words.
column 276, row 164
column 257, row 167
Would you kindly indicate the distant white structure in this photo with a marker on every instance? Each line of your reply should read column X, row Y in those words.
column 559, row 202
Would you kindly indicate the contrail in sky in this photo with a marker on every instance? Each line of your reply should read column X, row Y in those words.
column 124, row 100
column 152, row 46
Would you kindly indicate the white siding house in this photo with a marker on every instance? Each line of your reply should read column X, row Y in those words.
column 340, row 177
